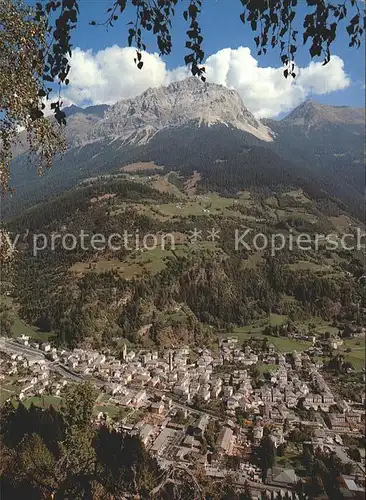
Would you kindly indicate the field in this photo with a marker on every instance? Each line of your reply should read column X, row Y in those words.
column 283, row 344
column 163, row 185
column 104, row 403
column 258, row 326
column 357, row 358
column 136, row 264
column 144, row 260
column 43, row 401
column 323, row 328
column 267, row 368
column 5, row 394
column 140, row 167
column 210, row 204
column 304, row 265
column 111, row 410
column 19, row 327
column 298, row 195
column 357, row 354
column 142, row 208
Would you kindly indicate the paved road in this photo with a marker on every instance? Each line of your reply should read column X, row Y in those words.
column 65, row 372
column 11, row 345
column 185, row 406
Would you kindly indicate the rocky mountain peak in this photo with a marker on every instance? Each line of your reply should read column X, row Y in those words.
column 311, row 113
column 178, row 104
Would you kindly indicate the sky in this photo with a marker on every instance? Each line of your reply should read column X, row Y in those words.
column 103, row 69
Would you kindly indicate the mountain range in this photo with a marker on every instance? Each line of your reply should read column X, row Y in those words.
column 193, row 126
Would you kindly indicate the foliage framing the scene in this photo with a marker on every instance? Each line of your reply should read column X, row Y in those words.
column 23, row 42
column 36, row 46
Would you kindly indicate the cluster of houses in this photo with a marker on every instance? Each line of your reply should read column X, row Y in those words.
column 194, row 380
column 285, row 387
column 30, row 376
column 202, row 377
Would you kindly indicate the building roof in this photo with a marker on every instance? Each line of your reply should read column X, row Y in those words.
column 224, row 439
column 286, row 476
column 352, row 486
column 202, row 423
column 145, row 431
column 189, row 441
column 161, row 440
column 158, row 405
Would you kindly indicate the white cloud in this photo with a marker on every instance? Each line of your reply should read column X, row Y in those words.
column 265, row 91
column 111, row 74
column 324, row 79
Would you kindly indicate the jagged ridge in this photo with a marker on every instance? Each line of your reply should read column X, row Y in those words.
column 174, row 106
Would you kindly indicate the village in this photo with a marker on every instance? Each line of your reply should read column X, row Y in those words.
column 203, row 407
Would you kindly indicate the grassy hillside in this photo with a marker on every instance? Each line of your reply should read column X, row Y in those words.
column 193, row 289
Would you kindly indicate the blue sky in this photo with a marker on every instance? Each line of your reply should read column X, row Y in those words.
column 222, row 28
